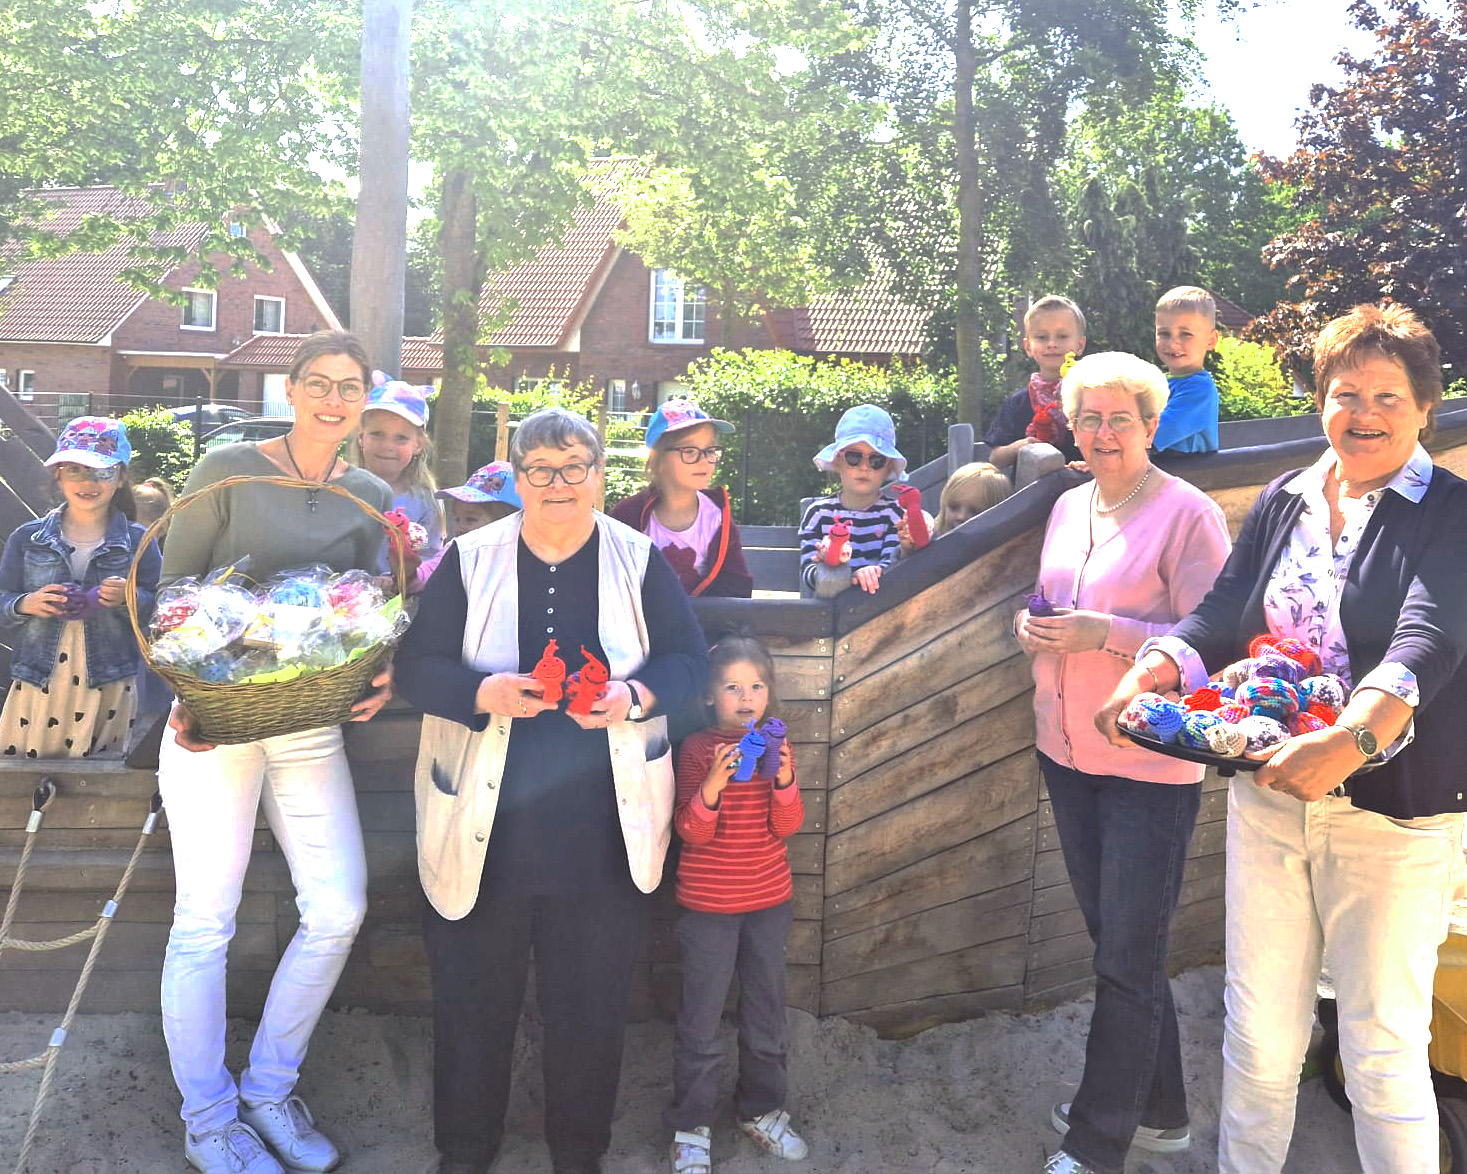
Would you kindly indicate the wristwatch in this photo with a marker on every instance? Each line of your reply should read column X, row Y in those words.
column 1365, row 741
column 634, row 714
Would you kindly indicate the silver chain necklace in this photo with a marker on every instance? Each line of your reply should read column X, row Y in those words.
column 1110, row 509
column 312, row 495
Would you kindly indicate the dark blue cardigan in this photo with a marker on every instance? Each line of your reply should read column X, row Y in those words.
column 1404, row 600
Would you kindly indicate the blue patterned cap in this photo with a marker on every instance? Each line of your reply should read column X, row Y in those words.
column 99, row 442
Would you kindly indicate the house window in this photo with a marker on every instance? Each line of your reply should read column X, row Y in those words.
column 679, row 312
column 236, row 229
column 25, row 386
column 5, row 281
column 198, row 309
column 616, row 395
column 269, row 315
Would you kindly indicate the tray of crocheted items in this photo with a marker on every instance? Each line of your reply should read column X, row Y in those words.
column 1279, row 692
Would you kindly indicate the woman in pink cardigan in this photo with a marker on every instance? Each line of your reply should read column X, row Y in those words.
column 1124, row 558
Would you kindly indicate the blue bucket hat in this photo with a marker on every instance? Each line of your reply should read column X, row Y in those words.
column 869, row 423
column 492, row 482
column 401, row 399
column 98, row 442
column 675, row 415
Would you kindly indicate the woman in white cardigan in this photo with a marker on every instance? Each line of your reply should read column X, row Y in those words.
column 540, row 828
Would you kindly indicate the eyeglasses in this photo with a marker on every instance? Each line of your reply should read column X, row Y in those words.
column 84, row 473
column 542, row 476
column 350, row 390
column 1120, row 422
column 855, row 459
column 692, row 454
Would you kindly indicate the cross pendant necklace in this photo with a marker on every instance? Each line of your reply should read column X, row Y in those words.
column 312, row 495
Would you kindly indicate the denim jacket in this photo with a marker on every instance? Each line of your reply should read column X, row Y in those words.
column 37, row 555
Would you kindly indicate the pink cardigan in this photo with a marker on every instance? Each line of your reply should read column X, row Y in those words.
column 1147, row 576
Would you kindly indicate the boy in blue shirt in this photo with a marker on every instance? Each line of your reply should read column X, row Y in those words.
column 1186, row 329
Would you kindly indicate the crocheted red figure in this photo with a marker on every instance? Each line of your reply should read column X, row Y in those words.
column 407, row 537
column 1049, row 425
column 587, row 686
column 549, row 670
column 838, row 543
column 910, row 498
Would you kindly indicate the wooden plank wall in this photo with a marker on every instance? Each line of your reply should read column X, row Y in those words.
column 945, row 892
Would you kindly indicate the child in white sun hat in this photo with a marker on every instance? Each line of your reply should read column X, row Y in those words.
column 865, row 542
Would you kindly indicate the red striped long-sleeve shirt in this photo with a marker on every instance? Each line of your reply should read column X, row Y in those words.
column 733, row 858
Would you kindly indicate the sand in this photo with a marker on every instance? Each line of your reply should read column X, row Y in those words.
column 969, row 1097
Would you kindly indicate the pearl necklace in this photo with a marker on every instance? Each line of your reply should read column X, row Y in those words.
column 1110, row 509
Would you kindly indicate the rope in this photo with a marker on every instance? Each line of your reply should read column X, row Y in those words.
column 98, row 934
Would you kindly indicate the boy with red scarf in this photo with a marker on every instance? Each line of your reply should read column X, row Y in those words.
column 1053, row 328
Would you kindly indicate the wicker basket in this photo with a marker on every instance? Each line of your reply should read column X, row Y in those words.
column 233, row 713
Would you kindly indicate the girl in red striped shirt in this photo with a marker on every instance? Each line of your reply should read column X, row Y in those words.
column 734, row 886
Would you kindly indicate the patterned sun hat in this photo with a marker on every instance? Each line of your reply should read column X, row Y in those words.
column 675, row 415
column 401, row 399
column 99, row 442
column 493, row 482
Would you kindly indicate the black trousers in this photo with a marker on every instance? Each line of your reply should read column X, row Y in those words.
column 585, row 947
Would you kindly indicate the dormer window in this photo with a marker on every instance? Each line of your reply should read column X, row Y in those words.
column 6, row 280
column 679, row 311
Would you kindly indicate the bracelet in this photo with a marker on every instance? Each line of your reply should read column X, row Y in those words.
column 1155, row 680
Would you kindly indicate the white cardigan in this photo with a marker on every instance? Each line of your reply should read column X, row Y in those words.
column 460, row 770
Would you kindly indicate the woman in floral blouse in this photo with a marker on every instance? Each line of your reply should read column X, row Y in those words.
column 1363, row 556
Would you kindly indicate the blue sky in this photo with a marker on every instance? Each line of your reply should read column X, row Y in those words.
column 1261, row 64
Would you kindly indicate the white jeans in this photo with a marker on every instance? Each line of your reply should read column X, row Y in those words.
column 305, row 787
column 1375, row 892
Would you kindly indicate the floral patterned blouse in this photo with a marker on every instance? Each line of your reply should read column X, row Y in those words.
column 1302, row 598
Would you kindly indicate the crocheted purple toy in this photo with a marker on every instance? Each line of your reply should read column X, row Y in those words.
column 751, row 748
column 774, row 731
column 1038, row 605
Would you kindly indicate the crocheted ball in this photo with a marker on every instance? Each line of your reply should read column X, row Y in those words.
column 170, row 615
column 1297, row 650
column 1273, row 663
column 298, row 593
column 1323, row 712
column 1233, row 713
column 1269, row 696
column 1193, row 733
column 1306, row 723
column 1226, row 739
column 1326, row 690
column 1206, row 699
column 1136, row 717
column 1224, row 689
column 1259, row 643
column 1262, row 732
column 1235, row 674
column 1164, row 718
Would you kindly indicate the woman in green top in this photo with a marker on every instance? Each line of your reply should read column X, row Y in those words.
column 300, row 780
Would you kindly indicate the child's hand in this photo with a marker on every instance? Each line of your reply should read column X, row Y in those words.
column 867, row 579
column 904, row 536
column 45, row 602
column 725, row 762
column 786, row 774
column 821, row 547
column 112, row 591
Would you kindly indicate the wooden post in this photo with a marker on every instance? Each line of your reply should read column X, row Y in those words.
column 379, row 244
column 601, row 432
column 501, row 431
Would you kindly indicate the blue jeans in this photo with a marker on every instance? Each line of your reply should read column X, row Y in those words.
column 1125, row 845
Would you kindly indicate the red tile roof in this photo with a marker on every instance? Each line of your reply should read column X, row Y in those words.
column 868, row 320
column 274, row 352
column 553, row 288
column 78, row 297
column 1230, row 315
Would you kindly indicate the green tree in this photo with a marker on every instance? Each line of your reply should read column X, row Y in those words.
column 206, row 110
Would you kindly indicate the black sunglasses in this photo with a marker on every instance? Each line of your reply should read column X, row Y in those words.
column 855, row 459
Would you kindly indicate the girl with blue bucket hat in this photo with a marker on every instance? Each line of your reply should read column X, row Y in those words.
column 865, row 541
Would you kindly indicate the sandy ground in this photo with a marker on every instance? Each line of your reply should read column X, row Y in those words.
column 969, row 1097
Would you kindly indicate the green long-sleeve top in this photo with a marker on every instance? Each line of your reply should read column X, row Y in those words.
column 273, row 524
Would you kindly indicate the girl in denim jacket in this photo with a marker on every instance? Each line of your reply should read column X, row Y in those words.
column 62, row 578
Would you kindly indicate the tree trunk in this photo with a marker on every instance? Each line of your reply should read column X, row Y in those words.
column 462, row 284
column 970, row 226
column 379, row 246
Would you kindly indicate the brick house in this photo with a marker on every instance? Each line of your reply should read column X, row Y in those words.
column 74, row 337
column 588, row 310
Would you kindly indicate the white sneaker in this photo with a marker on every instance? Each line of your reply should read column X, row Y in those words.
column 1157, row 1141
column 692, row 1151
column 1063, row 1163
column 290, row 1130
column 777, row 1136
column 235, row 1149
